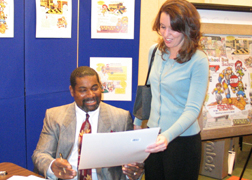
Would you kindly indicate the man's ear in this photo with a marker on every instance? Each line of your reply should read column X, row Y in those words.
column 100, row 85
column 71, row 91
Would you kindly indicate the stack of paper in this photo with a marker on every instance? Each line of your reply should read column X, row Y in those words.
column 31, row 177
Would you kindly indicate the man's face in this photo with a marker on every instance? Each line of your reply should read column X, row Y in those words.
column 87, row 93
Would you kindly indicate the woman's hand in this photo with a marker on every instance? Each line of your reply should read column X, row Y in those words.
column 137, row 127
column 159, row 145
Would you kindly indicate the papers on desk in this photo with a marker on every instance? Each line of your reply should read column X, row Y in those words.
column 116, row 148
column 31, row 177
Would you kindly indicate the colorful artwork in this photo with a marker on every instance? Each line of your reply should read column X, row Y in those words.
column 3, row 16
column 53, row 18
column 6, row 18
column 228, row 97
column 115, row 75
column 117, row 10
column 112, row 19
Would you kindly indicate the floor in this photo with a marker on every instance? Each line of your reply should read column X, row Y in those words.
column 242, row 156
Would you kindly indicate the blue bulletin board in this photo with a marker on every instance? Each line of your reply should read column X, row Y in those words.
column 109, row 47
column 12, row 100
column 35, row 74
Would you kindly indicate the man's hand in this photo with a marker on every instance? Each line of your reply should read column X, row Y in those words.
column 133, row 171
column 159, row 145
column 62, row 169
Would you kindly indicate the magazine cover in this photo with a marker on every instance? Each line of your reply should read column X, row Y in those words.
column 227, row 101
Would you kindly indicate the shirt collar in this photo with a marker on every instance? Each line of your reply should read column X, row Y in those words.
column 83, row 113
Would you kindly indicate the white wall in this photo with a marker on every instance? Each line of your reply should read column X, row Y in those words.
column 227, row 2
column 149, row 9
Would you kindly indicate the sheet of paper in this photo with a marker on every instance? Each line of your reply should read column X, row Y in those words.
column 116, row 148
column 31, row 177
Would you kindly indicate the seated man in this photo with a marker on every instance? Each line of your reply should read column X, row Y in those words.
column 61, row 132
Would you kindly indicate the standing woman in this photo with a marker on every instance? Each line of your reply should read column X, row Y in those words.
column 178, row 79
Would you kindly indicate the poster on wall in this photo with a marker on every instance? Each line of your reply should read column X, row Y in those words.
column 53, row 18
column 116, row 77
column 112, row 19
column 6, row 18
column 228, row 99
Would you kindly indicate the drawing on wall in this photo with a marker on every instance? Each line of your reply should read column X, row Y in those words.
column 6, row 18
column 228, row 100
column 116, row 77
column 54, row 18
column 112, row 19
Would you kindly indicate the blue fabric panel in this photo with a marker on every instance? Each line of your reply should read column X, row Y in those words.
column 36, row 106
column 12, row 119
column 12, row 57
column 110, row 47
column 12, row 131
column 48, row 61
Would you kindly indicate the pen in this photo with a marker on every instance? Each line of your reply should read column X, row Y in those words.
column 3, row 173
column 61, row 157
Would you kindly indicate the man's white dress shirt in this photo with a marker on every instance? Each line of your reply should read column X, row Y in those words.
column 73, row 158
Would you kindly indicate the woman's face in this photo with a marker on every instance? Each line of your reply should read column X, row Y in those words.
column 173, row 39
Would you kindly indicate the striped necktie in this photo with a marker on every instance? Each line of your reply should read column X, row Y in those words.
column 84, row 174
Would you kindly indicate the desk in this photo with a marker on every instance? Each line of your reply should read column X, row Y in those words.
column 13, row 169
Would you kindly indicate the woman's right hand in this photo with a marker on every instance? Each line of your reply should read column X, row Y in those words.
column 160, row 145
column 137, row 127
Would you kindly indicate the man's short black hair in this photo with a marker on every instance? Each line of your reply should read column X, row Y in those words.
column 81, row 72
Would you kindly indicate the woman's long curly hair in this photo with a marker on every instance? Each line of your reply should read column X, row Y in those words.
column 185, row 19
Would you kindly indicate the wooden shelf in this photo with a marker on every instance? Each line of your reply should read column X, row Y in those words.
column 226, row 132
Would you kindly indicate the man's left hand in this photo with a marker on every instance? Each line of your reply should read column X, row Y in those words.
column 134, row 170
